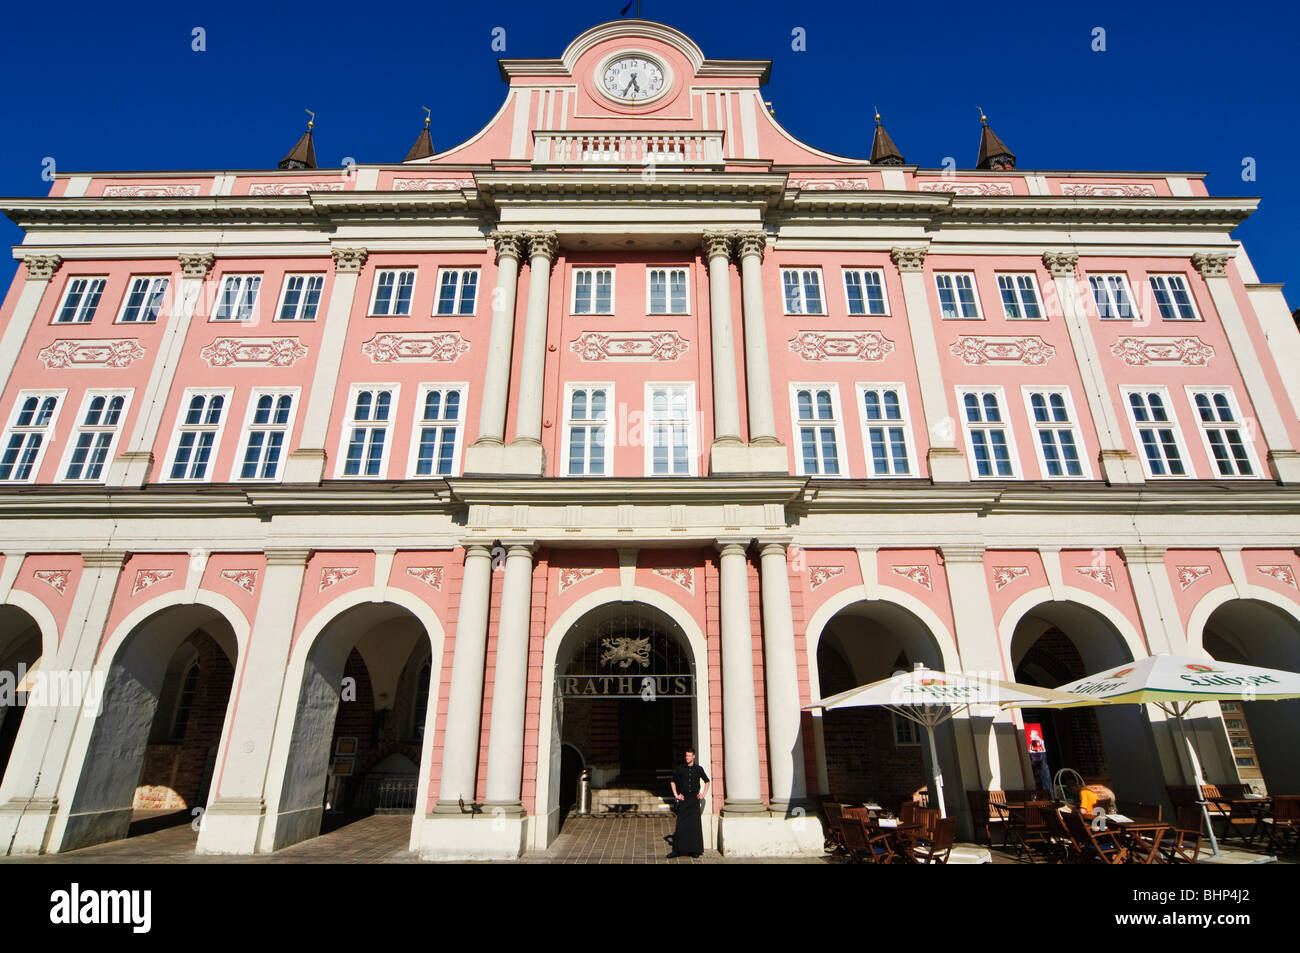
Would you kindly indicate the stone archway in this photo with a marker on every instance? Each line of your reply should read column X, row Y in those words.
column 356, row 742
column 20, row 655
column 1260, row 735
column 1058, row 642
column 165, row 707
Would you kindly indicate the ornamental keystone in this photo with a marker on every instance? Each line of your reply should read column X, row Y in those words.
column 196, row 264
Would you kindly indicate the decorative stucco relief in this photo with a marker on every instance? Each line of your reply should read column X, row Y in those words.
column 978, row 349
column 120, row 352
column 841, row 346
column 1189, row 352
column 629, row 346
column 253, row 352
column 398, row 347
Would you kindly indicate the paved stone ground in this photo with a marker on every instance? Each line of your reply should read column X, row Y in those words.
column 160, row 838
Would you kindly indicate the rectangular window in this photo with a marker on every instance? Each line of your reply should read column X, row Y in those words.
column 803, row 290
column 666, row 293
column 907, row 733
column 957, row 298
column 1020, row 297
column 366, row 431
column 593, row 291
column 266, row 434
column 1114, row 302
column 1156, row 433
column 1173, row 298
column 587, row 429
column 670, row 447
column 438, row 430
column 91, row 448
column 864, row 290
column 457, row 291
column 237, row 298
column 1224, row 433
column 300, row 299
column 1051, row 415
column 80, row 299
column 198, row 433
column 144, row 299
column 988, row 434
column 885, row 427
column 817, row 424
column 34, row 416
column 393, row 290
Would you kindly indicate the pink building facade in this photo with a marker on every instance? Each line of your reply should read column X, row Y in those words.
column 630, row 423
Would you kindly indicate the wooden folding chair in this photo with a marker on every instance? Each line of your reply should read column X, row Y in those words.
column 864, row 845
column 833, row 812
column 1182, row 842
column 1065, row 849
column 1282, row 824
column 986, row 814
column 1101, row 847
column 1028, row 831
column 938, row 847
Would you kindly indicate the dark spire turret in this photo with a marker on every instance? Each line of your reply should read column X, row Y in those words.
column 423, row 147
column 994, row 153
column 303, row 154
column 883, row 150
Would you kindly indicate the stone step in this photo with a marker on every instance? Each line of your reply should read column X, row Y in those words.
column 629, row 801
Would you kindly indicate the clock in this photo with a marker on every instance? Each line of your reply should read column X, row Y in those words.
column 633, row 78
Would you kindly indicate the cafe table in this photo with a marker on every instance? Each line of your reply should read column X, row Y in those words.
column 1143, row 834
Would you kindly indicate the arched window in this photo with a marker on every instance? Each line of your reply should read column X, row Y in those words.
column 185, row 702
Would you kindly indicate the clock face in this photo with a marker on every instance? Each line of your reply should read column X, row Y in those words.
column 633, row 79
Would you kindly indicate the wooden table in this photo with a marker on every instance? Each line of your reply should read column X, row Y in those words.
column 1134, row 829
column 900, row 834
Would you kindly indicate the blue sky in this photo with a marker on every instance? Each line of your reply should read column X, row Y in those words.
column 1179, row 87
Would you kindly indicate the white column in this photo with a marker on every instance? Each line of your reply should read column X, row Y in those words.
column 726, row 391
column 237, row 809
column 496, row 382
column 739, row 718
column 944, row 459
column 44, row 768
column 133, row 465
column 1282, row 456
column 542, row 247
column 307, row 463
column 1118, row 464
column 1154, row 595
column 510, row 689
column 465, row 700
column 785, row 742
column 758, row 369
column 40, row 269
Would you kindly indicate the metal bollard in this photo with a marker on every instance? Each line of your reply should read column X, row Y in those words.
column 584, row 793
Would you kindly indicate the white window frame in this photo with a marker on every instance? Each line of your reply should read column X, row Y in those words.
column 1112, row 304
column 692, row 429
column 570, row 422
column 1184, row 457
column 1239, row 422
column 975, row 293
column 860, row 389
column 417, row 425
column 668, row 289
column 126, row 298
column 79, row 426
column 345, row 436
column 244, row 278
column 80, row 316
column 286, row 428
column 284, row 293
column 459, row 300
column 884, row 293
column 838, row 423
column 46, row 429
column 1004, row 409
column 905, row 726
column 803, row 289
column 1165, row 277
column 592, row 270
column 178, row 427
column 1019, row 293
column 1027, row 391
column 397, row 280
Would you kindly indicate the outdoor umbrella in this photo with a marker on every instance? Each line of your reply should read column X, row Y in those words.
column 929, row 698
column 1175, row 683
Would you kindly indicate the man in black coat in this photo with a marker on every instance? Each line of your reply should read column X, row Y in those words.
column 690, row 788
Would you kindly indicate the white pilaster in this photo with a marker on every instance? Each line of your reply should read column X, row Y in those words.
column 739, row 717
column 1283, row 457
column 307, row 463
column 132, row 466
column 785, row 742
column 1117, row 463
column 40, row 269
column 944, row 459
column 510, row 689
column 236, row 811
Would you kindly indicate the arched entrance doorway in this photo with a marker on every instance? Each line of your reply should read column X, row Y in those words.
column 152, row 750
column 1261, row 735
column 357, row 740
column 1058, row 642
column 869, row 753
column 627, row 701
column 20, row 651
